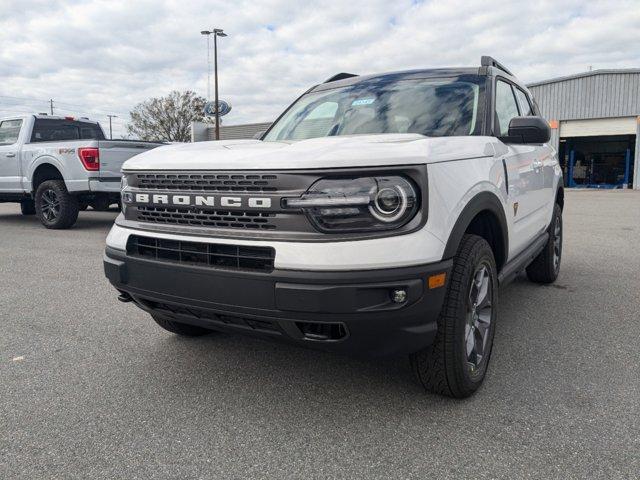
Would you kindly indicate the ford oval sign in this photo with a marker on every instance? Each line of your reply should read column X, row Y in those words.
column 224, row 107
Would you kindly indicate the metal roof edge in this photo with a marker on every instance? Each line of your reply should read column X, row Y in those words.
column 604, row 71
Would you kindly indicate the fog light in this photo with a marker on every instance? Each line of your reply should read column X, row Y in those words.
column 399, row 295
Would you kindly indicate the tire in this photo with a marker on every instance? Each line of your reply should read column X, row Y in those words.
column 178, row 328
column 28, row 207
column 546, row 266
column 100, row 203
column 55, row 207
column 456, row 363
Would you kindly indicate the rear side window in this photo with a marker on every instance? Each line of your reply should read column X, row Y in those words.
column 506, row 107
column 9, row 131
column 525, row 105
column 50, row 130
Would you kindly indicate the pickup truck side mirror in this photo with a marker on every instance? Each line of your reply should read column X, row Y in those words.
column 528, row 130
column 258, row 135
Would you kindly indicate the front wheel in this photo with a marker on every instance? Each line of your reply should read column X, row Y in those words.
column 456, row 364
column 56, row 208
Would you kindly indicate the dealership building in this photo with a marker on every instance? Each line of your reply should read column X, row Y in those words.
column 595, row 122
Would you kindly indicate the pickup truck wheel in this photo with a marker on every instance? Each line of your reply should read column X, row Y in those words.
column 456, row 363
column 28, row 207
column 181, row 328
column 55, row 207
column 546, row 266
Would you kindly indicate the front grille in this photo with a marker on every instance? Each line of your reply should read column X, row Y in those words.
column 232, row 182
column 200, row 314
column 207, row 218
column 230, row 257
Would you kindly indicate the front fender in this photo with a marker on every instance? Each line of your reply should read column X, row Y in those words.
column 460, row 190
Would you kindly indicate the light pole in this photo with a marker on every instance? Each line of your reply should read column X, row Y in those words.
column 217, row 32
column 110, row 129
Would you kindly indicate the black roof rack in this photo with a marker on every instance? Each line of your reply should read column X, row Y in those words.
column 340, row 76
column 487, row 61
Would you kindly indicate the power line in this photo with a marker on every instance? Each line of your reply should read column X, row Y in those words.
column 49, row 101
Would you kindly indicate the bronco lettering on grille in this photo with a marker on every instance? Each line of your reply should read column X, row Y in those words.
column 203, row 200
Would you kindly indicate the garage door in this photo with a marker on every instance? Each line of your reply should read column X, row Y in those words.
column 598, row 127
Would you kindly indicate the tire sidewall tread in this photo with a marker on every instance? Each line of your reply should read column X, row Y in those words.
column 441, row 367
column 68, row 205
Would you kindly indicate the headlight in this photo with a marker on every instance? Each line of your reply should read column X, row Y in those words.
column 358, row 204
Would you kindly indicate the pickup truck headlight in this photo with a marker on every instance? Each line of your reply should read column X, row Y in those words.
column 358, row 204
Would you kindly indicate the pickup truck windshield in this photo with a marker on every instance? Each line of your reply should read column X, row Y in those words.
column 434, row 107
column 54, row 130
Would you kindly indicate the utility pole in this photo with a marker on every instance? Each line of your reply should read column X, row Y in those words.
column 110, row 129
column 51, row 105
column 217, row 32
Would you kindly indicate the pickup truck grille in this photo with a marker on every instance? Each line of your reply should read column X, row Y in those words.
column 248, row 220
column 233, row 257
column 231, row 182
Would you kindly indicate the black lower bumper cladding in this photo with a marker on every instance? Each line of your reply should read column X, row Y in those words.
column 368, row 312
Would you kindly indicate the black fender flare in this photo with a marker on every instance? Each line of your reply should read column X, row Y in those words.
column 483, row 201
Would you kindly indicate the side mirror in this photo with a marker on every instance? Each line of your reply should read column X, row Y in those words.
column 528, row 130
column 258, row 135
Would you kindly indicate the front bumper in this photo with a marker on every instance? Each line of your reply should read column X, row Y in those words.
column 349, row 312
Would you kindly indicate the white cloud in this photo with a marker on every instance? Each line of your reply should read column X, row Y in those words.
column 98, row 57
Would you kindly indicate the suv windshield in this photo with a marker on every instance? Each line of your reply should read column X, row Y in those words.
column 434, row 107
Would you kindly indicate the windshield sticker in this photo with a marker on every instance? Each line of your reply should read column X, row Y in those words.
column 362, row 101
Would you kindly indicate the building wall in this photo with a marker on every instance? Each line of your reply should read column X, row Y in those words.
column 202, row 132
column 597, row 94
column 234, row 132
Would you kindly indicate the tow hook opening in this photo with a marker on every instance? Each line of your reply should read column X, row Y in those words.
column 322, row 331
column 124, row 297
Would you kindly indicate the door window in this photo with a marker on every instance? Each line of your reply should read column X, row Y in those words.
column 9, row 131
column 506, row 107
column 525, row 106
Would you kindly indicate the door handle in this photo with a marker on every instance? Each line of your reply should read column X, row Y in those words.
column 537, row 164
column 9, row 154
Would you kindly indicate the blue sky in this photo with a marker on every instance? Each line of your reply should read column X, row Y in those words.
column 95, row 57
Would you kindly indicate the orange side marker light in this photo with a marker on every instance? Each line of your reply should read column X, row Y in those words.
column 437, row 281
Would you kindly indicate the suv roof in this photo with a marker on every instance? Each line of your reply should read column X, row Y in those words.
column 488, row 66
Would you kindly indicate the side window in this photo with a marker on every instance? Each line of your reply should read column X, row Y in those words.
column 9, row 131
column 506, row 107
column 525, row 105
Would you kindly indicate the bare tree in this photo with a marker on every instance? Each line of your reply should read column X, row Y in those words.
column 166, row 118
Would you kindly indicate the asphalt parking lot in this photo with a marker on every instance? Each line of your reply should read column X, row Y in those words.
column 92, row 388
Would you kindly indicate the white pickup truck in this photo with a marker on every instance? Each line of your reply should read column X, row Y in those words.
column 56, row 166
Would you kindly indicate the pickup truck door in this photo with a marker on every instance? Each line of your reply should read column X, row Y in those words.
column 524, row 173
column 10, row 156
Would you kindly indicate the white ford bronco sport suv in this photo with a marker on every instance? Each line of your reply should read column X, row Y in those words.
column 378, row 215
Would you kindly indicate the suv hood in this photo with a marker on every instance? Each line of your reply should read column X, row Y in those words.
column 325, row 152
